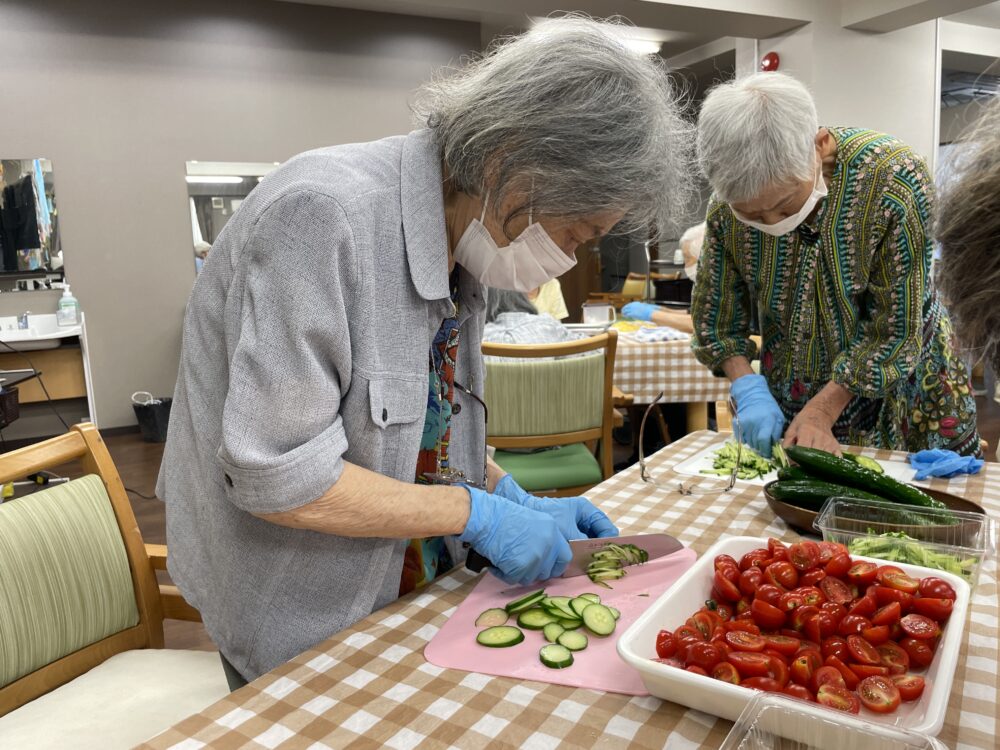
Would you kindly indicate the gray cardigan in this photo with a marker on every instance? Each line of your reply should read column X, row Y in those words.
column 306, row 344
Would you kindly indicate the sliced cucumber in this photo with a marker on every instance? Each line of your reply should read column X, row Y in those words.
column 491, row 618
column 525, row 602
column 599, row 620
column 571, row 624
column 535, row 618
column 615, row 613
column 552, row 631
column 593, row 597
column 579, row 604
column 561, row 605
column 500, row 636
column 574, row 640
column 555, row 656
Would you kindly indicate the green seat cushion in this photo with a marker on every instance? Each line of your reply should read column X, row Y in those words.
column 551, row 469
column 64, row 576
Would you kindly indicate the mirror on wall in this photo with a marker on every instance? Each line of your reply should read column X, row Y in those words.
column 30, row 248
column 215, row 191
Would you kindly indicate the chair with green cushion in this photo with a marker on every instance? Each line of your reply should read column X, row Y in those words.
column 82, row 662
column 557, row 397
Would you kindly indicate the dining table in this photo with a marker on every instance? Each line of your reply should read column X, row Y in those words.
column 370, row 686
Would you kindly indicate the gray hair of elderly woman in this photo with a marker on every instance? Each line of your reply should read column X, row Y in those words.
column 571, row 121
column 757, row 132
column 968, row 228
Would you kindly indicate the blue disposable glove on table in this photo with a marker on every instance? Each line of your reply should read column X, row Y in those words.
column 523, row 545
column 761, row 420
column 639, row 310
column 943, row 463
column 577, row 517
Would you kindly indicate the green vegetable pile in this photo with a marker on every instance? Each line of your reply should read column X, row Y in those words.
column 752, row 464
column 896, row 546
column 608, row 563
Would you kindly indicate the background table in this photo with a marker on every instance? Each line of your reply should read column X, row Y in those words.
column 370, row 687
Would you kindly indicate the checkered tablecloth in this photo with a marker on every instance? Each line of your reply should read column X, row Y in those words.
column 370, row 687
column 646, row 368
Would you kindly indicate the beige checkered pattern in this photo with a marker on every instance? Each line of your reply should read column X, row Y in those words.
column 645, row 369
column 370, row 687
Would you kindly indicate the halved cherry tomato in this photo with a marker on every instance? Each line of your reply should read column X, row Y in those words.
column 864, row 606
column 704, row 655
column 850, row 678
column 887, row 570
column 910, row 686
column 801, row 615
column 869, row 670
column 837, row 611
column 799, row 691
column 835, row 646
column 749, row 664
column 811, row 595
column 805, row 645
column 833, row 696
column 804, row 666
column 766, row 615
column 762, row 683
column 750, row 580
column 726, row 672
column 783, row 644
column 936, row 588
column 852, row 625
column 920, row 652
column 879, row 694
column 666, row 644
column 782, row 574
column 876, row 634
column 697, row 670
column 896, row 658
column 901, row 582
column 829, row 550
column 804, row 555
column 790, row 600
column 936, row 609
column 737, row 624
column 775, row 544
column 741, row 607
column 820, row 626
column 888, row 614
column 769, row 593
column 862, row 573
column 725, row 560
column 741, row 640
column 726, row 588
column 812, row 577
column 920, row 627
column 885, row 595
column 724, row 611
column 685, row 632
column 777, row 669
column 836, row 590
column 862, row 651
column 754, row 559
column 826, row 676
column 838, row 565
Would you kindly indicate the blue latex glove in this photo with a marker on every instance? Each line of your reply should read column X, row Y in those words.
column 523, row 544
column 577, row 517
column 942, row 463
column 639, row 310
column 761, row 420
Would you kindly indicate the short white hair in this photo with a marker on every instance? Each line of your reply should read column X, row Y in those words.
column 756, row 132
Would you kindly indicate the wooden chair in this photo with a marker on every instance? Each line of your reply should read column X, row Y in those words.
column 538, row 397
column 81, row 612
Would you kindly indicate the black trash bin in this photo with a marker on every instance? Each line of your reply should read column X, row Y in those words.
column 153, row 416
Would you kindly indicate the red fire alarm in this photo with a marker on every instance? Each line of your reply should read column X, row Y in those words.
column 769, row 62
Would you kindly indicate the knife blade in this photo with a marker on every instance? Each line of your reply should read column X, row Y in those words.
column 656, row 545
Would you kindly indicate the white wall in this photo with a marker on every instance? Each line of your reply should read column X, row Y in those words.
column 119, row 97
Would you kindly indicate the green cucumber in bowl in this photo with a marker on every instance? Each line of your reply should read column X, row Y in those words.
column 574, row 640
column 555, row 656
column 492, row 617
column 500, row 636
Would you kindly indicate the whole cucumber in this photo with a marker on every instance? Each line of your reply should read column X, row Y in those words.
column 812, row 493
column 795, row 472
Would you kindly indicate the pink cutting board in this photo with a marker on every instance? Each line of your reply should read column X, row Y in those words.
column 597, row 667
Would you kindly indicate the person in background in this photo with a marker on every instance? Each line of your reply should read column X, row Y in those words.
column 548, row 300
column 691, row 242
column 824, row 232
column 327, row 422
column 968, row 230
column 201, row 249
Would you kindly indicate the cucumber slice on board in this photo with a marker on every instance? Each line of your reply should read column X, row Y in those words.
column 555, row 656
column 535, row 618
column 500, row 636
column 574, row 640
column 599, row 620
column 615, row 613
column 491, row 618
column 525, row 602
column 593, row 597
column 552, row 631
column 571, row 624
column 579, row 604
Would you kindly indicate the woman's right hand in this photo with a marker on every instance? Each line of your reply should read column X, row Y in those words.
column 524, row 545
column 639, row 310
column 760, row 417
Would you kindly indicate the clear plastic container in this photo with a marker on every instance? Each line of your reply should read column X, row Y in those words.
column 774, row 722
column 958, row 548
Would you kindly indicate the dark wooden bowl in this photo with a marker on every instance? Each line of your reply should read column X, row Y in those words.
column 802, row 519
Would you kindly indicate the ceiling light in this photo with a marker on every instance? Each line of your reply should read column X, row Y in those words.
column 213, row 180
column 643, row 46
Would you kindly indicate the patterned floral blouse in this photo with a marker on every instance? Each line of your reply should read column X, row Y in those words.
column 846, row 297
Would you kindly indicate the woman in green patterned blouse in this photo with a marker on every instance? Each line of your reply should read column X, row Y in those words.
column 822, row 235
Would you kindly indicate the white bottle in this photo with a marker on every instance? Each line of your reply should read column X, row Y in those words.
column 68, row 313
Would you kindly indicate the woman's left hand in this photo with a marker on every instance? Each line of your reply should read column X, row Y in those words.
column 812, row 428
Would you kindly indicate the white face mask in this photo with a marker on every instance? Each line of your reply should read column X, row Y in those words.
column 790, row 223
column 526, row 263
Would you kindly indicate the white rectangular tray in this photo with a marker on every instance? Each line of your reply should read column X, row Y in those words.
column 637, row 647
column 705, row 458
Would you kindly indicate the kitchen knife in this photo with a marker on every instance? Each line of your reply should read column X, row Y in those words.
column 656, row 545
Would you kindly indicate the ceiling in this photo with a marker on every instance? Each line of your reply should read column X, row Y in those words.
column 985, row 15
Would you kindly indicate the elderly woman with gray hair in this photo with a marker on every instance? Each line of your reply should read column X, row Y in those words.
column 327, row 442
column 824, row 233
